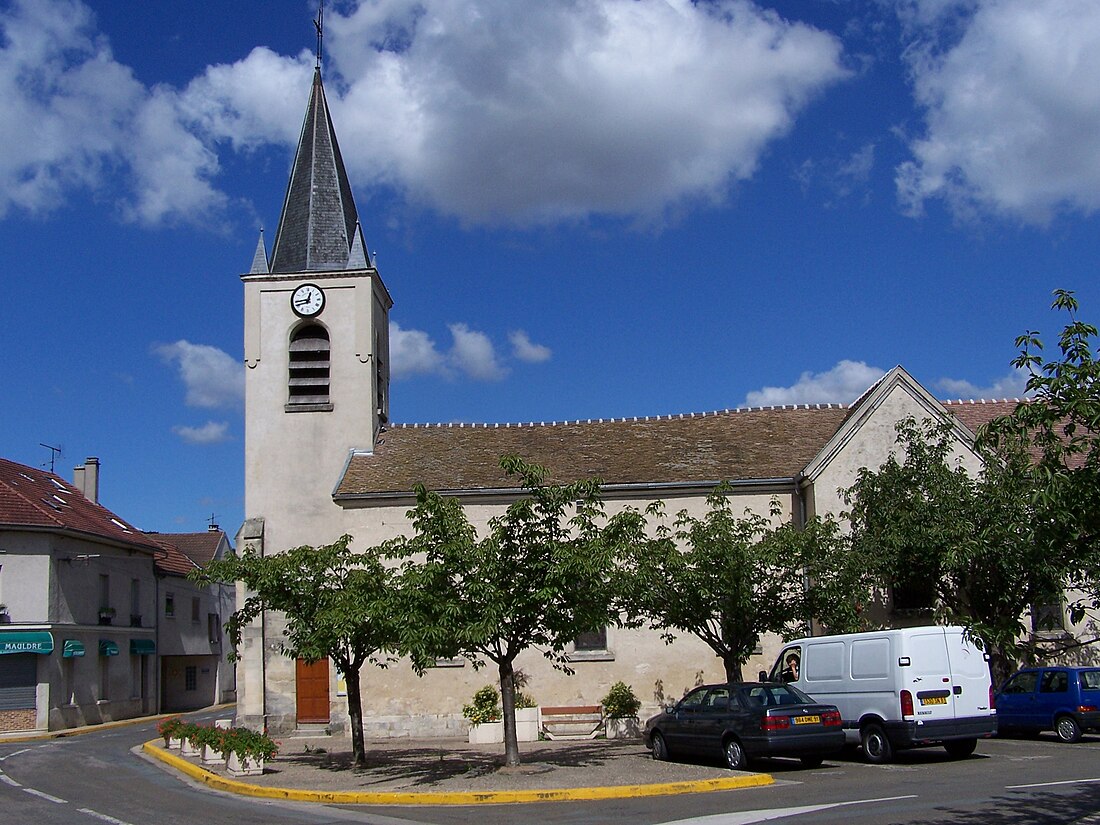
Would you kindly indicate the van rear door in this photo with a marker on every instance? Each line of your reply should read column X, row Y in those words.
column 970, row 681
column 928, row 676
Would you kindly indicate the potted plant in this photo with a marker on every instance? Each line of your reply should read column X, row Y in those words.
column 171, row 729
column 106, row 614
column 527, row 718
column 620, row 707
column 486, row 719
column 189, row 735
column 211, row 742
column 246, row 751
column 5, row 617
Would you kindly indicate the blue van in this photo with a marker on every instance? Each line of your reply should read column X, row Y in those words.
column 1065, row 700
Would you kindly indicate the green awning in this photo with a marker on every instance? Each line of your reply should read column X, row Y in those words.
column 107, row 648
column 39, row 641
column 71, row 647
column 142, row 647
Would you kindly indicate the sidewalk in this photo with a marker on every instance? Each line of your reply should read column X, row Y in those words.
column 451, row 771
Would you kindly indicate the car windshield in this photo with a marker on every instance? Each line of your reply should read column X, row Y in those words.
column 773, row 696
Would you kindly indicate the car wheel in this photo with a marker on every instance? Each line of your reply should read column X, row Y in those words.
column 735, row 755
column 811, row 761
column 960, row 748
column 876, row 747
column 1067, row 729
column 658, row 747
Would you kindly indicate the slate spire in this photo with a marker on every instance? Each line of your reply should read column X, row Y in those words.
column 318, row 222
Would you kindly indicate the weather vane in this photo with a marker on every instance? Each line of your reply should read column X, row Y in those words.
column 319, row 24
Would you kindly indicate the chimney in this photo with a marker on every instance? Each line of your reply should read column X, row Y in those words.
column 86, row 479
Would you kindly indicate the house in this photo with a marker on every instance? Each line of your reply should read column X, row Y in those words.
column 322, row 459
column 78, row 628
column 195, row 671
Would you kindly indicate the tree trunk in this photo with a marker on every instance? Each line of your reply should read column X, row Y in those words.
column 355, row 716
column 508, row 706
column 733, row 667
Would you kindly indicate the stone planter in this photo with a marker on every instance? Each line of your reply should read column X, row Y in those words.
column 243, row 765
column 173, row 743
column 625, row 727
column 527, row 725
column 487, row 733
column 210, row 756
column 188, row 748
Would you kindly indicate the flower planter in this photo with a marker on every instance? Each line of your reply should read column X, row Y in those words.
column 527, row 725
column 625, row 727
column 172, row 743
column 243, row 765
column 210, row 756
column 189, row 748
column 487, row 733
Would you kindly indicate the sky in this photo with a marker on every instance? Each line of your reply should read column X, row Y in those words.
column 582, row 210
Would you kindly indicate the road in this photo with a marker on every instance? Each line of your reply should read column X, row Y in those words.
column 98, row 778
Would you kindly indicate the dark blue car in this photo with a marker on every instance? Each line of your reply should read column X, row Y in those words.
column 1065, row 700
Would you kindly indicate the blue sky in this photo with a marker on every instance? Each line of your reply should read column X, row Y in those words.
column 604, row 209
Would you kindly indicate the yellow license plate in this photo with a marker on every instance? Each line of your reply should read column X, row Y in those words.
column 807, row 720
column 933, row 700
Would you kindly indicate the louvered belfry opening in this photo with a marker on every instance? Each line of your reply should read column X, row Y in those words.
column 309, row 366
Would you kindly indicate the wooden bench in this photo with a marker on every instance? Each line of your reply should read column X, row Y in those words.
column 578, row 722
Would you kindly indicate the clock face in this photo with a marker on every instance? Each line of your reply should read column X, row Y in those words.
column 307, row 300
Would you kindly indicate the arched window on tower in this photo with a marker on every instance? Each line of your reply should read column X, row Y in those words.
column 309, row 367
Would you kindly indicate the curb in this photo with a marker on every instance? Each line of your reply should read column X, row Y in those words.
column 220, row 783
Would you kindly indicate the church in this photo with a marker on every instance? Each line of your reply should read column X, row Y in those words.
column 323, row 458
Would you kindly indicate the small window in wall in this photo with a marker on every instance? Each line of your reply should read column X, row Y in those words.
column 170, row 605
column 214, row 629
column 1049, row 616
column 191, row 678
column 309, row 366
column 104, row 591
column 195, row 609
column 592, row 640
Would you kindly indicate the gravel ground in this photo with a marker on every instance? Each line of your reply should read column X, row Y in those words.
column 325, row 764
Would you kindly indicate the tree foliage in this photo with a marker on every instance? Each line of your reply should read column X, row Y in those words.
column 956, row 544
column 338, row 604
column 728, row 579
column 1059, row 426
column 540, row 577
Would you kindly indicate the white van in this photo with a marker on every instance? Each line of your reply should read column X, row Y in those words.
column 896, row 689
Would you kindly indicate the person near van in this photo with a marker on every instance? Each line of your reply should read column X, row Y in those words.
column 790, row 672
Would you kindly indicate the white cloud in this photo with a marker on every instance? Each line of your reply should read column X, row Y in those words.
column 473, row 353
column 843, row 384
column 1013, row 385
column 213, row 378
column 211, row 432
column 489, row 110
column 525, row 349
column 413, row 352
column 1011, row 107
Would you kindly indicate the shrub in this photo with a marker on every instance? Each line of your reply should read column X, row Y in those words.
column 620, row 702
column 208, row 736
column 525, row 700
column 484, row 708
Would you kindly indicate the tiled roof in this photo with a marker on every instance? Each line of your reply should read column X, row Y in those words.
column 171, row 561
column 36, row 499
column 731, row 445
column 198, row 547
column 761, row 443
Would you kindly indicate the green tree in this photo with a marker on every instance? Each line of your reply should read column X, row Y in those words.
column 956, row 543
column 540, row 577
column 728, row 579
column 338, row 604
column 1059, row 426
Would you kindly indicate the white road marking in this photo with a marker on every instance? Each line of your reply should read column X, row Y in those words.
column 1051, row 784
column 46, row 796
column 7, row 779
column 10, row 755
column 748, row 817
column 102, row 817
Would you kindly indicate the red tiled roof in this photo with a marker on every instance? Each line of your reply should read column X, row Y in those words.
column 198, row 547
column 738, row 445
column 36, row 499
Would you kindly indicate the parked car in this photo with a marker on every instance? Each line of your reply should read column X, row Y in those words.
column 744, row 720
column 1065, row 700
column 904, row 688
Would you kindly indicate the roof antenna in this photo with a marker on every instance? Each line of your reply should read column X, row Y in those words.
column 54, row 453
column 319, row 24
